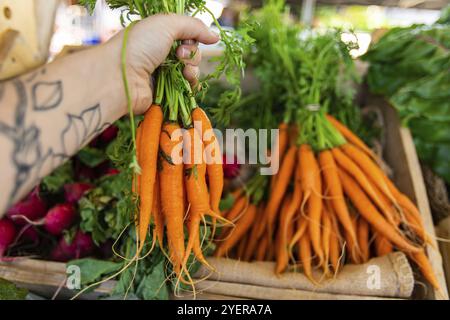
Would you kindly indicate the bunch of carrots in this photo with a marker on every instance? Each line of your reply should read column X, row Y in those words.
column 174, row 151
column 172, row 187
column 329, row 204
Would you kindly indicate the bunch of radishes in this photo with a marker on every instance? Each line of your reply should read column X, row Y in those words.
column 35, row 218
column 28, row 219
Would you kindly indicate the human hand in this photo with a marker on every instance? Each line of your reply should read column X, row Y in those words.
column 150, row 42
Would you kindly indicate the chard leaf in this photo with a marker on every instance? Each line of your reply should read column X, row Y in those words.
column 92, row 269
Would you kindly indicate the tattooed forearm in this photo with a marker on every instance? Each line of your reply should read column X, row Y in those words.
column 34, row 156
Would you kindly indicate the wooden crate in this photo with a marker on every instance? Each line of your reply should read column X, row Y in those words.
column 45, row 277
column 400, row 153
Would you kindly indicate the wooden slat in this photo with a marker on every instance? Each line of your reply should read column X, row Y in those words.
column 45, row 278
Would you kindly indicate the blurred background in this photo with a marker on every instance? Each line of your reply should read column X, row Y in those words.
column 74, row 26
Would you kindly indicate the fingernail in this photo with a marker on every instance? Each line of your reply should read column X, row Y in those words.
column 185, row 53
column 190, row 42
column 214, row 34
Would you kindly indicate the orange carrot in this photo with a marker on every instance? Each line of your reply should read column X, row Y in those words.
column 363, row 239
column 382, row 245
column 171, row 192
column 372, row 191
column 421, row 259
column 305, row 256
column 214, row 165
column 279, row 189
column 416, row 226
column 335, row 244
column 371, row 214
column 262, row 249
column 301, row 228
column 197, row 247
column 158, row 218
column 253, row 238
column 404, row 201
column 238, row 209
column 350, row 136
column 148, row 154
column 353, row 250
column 196, row 188
column 312, row 195
column 370, row 168
column 281, row 252
column 241, row 247
column 242, row 226
column 286, row 222
column 236, row 194
column 335, row 193
column 281, row 144
column 326, row 236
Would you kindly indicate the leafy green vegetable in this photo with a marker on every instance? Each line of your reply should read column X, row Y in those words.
column 411, row 67
column 92, row 269
column 152, row 286
column 106, row 210
column 9, row 291
column 91, row 157
column 61, row 176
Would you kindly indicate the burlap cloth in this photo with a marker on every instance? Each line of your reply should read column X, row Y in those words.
column 393, row 278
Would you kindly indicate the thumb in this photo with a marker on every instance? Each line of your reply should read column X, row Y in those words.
column 189, row 28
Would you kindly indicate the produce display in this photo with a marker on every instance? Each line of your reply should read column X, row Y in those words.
column 330, row 198
column 410, row 67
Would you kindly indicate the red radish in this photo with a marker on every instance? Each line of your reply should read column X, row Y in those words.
column 84, row 244
column 29, row 234
column 83, row 172
column 112, row 172
column 75, row 191
column 230, row 170
column 102, row 169
column 32, row 209
column 8, row 233
column 59, row 218
column 94, row 142
column 81, row 246
column 109, row 134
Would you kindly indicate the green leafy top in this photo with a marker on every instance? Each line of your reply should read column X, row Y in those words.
column 298, row 70
column 410, row 66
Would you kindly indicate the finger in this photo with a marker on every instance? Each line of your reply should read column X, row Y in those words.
column 189, row 28
column 191, row 73
column 189, row 54
column 189, row 42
